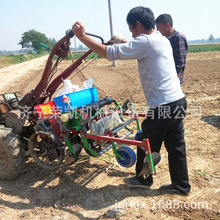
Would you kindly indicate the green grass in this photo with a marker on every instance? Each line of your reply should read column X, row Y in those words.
column 78, row 55
column 203, row 48
column 7, row 60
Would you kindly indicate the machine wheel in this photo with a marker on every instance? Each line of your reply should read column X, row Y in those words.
column 46, row 149
column 129, row 156
column 12, row 155
column 12, row 120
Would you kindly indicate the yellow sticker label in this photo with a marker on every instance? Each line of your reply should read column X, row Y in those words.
column 46, row 109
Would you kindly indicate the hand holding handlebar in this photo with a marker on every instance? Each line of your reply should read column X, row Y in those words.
column 78, row 29
column 116, row 39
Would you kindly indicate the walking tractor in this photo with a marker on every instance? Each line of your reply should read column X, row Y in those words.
column 54, row 129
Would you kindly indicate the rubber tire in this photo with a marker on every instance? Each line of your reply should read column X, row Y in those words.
column 128, row 154
column 13, row 103
column 12, row 147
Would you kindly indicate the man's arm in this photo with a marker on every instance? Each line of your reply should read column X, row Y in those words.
column 96, row 47
column 135, row 49
column 180, row 52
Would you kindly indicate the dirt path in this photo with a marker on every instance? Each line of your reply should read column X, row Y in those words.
column 94, row 189
column 19, row 76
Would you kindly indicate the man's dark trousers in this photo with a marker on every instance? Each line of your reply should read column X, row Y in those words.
column 165, row 123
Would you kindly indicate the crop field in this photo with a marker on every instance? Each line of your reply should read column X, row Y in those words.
column 195, row 48
column 94, row 188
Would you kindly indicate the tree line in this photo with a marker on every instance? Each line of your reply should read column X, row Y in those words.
column 211, row 39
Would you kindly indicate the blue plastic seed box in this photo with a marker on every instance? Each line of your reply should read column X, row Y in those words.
column 77, row 99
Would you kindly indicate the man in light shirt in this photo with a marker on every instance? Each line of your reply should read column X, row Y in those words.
column 162, row 90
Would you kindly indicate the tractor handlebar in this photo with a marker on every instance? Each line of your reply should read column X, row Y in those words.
column 71, row 34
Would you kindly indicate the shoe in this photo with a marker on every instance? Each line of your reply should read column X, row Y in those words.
column 135, row 182
column 170, row 188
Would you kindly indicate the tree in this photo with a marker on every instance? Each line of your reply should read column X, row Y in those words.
column 211, row 38
column 52, row 42
column 31, row 40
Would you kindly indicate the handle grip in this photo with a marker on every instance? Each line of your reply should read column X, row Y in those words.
column 45, row 46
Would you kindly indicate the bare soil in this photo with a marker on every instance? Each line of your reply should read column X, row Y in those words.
column 94, row 188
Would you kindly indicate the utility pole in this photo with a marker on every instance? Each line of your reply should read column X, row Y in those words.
column 111, row 27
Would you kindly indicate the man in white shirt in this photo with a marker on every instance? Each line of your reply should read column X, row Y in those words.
column 162, row 91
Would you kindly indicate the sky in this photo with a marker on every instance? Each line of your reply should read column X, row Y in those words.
column 196, row 19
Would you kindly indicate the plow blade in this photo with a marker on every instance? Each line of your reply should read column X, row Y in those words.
column 150, row 161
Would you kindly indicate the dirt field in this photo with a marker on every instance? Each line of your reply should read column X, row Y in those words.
column 94, row 189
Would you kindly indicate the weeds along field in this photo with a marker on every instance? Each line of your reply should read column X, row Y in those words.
column 7, row 60
column 94, row 188
column 195, row 48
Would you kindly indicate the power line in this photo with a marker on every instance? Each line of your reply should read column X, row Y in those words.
column 91, row 12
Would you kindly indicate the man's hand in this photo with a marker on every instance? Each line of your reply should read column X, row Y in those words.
column 117, row 39
column 78, row 29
